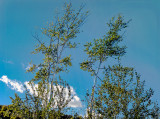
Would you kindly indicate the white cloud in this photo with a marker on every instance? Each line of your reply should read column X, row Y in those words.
column 75, row 102
column 14, row 85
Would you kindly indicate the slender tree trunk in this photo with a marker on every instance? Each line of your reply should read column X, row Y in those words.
column 93, row 91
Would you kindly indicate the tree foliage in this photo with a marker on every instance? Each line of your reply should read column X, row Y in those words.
column 122, row 94
column 117, row 90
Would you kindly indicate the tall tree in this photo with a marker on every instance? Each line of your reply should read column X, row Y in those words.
column 117, row 93
column 49, row 91
column 101, row 49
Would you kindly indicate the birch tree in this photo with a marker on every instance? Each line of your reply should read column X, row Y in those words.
column 100, row 50
column 52, row 94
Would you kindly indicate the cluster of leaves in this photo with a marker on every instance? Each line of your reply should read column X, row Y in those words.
column 122, row 94
column 53, row 113
column 101, row 49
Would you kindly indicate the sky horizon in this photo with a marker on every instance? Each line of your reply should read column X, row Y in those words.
column 20, row 19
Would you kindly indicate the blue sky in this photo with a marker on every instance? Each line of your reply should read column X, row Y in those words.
column 20, row 18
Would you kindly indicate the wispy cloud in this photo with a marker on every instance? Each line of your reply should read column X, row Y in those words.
column 18, row 86
column 14, row 85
